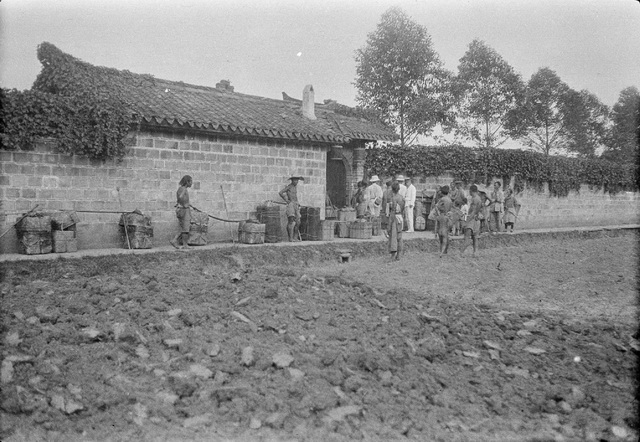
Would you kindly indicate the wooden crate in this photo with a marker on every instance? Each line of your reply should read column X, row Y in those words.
column 327, row 231
column 64, row 241
column 360, row 230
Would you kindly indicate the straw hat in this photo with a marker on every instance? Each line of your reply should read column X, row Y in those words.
column 400, row 177
column 374, row 179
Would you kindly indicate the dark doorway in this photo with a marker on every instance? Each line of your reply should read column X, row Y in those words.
column 337, row 182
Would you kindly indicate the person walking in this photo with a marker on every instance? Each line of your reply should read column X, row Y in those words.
column 394, row 229
column 183, row 213
column 496, row 208
column 433, row 213
column 443, row 210
column 511, row 210
column 290, row 196
column 409, row 204
column 472, row 226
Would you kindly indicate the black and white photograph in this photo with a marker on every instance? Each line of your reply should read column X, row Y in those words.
column 319, row 220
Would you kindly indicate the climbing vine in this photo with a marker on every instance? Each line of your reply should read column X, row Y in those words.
column 77, row 104
column 531, row 169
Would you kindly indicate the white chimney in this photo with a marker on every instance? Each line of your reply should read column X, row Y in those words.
column 308, row 104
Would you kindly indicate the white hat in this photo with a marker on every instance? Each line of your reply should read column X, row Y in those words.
column 374, row 178
column 400, row 177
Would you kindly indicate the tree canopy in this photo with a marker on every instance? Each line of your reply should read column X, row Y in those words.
column 487, row 88
column 400, row 75
column 585, row 122
column 623, row 139
column 538, row 122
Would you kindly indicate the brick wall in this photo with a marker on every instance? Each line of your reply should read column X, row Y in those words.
column 249, row 171
column 579, row 209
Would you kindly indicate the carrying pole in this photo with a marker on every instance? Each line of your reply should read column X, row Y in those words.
column 233, row 240
column 18, row 220
column 124, row 220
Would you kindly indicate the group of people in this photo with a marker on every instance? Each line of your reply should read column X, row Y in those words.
column 481, row 212
column 394, row 206
column 183, row 210
column 452, row 210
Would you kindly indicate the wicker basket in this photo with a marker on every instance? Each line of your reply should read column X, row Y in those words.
column 327, row 230
column 342, row 229
column 198, row 235
column 251, row 233
column 360, row 230
column 375, row 226
column 347, row 214
column 64, row 220
column 138, row 237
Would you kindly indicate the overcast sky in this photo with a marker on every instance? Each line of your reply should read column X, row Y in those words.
column 265, row 47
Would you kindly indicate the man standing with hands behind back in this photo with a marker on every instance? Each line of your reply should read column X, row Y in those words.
column 290, row 195
column 409, row 204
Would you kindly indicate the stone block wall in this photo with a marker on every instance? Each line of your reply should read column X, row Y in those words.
column 585, row 208
column 249, row 171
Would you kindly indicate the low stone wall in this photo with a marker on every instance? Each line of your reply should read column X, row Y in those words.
column 578, row 209
column 249, row 172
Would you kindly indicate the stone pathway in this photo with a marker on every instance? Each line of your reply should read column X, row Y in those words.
column 12, row 257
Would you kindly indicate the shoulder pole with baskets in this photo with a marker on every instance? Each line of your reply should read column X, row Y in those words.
column 18, row 220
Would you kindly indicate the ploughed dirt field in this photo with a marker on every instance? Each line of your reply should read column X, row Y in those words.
column 531, row 340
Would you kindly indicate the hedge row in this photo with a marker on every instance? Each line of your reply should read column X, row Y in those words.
column 529, row 168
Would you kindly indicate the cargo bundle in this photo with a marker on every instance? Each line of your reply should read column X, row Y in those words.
column 251, row 232
column 198, row 229
column 63, row 226
column 136, row 229
column 310, row 223
column 327, row 230
column 34, row 234
column 274, row 217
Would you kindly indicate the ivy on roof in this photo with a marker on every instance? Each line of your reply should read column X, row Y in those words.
column 85, row 113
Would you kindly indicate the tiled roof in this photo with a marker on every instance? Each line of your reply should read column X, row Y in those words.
column 176, row 104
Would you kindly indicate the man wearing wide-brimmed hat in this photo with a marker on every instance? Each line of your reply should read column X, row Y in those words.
column 290, row 195
column 373, row 195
